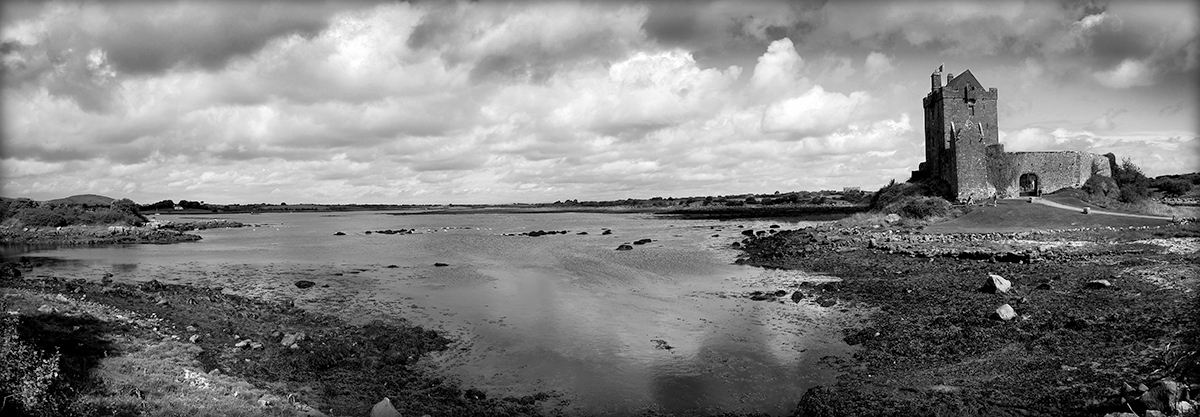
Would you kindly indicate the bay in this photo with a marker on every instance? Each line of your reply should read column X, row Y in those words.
column 560, row 313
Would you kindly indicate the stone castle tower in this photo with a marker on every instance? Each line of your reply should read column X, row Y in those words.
column 962, row 147
column 960, row 123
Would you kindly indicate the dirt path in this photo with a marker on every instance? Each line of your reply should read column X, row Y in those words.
column 1043, row 201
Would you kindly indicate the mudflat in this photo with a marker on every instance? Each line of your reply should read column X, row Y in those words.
column 1103, row 317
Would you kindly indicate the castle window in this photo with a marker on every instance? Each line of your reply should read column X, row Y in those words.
column 972, row 108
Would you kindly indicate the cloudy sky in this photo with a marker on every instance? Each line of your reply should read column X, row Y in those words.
column 489, row 102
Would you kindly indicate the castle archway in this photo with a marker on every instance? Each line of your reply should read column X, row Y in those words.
column 1030, row 184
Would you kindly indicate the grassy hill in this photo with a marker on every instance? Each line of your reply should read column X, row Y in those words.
column 84, row 200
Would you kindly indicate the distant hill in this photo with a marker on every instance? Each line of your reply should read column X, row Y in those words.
column 85, row 200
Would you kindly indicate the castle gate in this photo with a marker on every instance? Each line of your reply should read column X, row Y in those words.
column 1029, row 184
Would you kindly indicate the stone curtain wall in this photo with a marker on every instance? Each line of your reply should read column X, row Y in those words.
column 1057, row 170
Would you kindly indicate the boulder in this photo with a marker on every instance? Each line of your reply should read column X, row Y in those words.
column 243, row 343
column 996, row 284
column 1004, row 313
column 302, row 284
column 1098, row 284
column 891, row 218
column 1162, row 395
column 607, row 232
column 339, row 234
column 440, row 264
column 1185, row 408
column 624, row 247
column 642, row 241
column 797, row 296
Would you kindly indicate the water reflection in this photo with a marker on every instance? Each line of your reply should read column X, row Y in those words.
column 562, row 313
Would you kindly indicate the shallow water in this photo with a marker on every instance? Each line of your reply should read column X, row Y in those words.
column 563, row 313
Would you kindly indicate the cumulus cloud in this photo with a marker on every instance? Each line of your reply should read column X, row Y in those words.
column 778, row 70
column 1129, row 73
column 816, row 112
column 492, row 102
column 877, row 64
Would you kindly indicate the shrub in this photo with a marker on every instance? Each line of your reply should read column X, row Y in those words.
column 1101, row 186
column 1133, row 183
column 50, row 215
column 916, row 207
column 26, row 374
column 1172, row 186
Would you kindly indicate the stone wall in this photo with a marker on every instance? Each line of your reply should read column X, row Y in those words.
column 1057, row 170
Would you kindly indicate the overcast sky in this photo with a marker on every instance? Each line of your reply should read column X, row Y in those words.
column 242, row 102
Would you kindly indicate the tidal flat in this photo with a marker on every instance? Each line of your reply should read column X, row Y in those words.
column 471, row 315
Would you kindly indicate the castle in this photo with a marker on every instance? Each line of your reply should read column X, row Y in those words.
column 962, row 147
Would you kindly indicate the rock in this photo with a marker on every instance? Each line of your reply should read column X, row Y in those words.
column 872, row 244
column 736, row 245
column 302, row 284
column 256, row 345
column 748, row 232
column 1004, row 313
column 241, row 344
column 195, row 338
column 661, row 344
column 607, row 232
column 624, row 247
column 271, row 400
column 339, row 234
column 761, row 296
column 152, row 285
column 292, row 339
column 1185, row 408
column 1161, row 396
column 384, row 408
column 440, row 264
column 393, row 266
column 1154, row 413
column 891, row 218
column 1098, row 284
column 797, row 296
column 46, row 309
column 642, row 241
column 581, row 233
column 996, row 284
column 9, row 270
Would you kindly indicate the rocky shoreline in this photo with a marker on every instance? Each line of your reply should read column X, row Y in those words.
column 941, row 343
column 154, row 232
column 221, row 354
